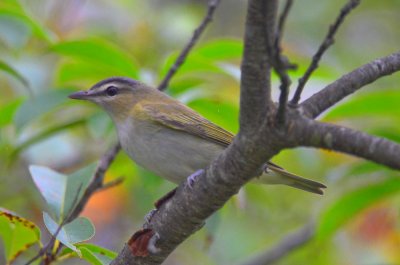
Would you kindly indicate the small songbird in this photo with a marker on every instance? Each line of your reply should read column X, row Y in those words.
column 168, row 138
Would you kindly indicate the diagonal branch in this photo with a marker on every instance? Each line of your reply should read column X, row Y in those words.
column 311, row 133
column 97, row 181
column 288, row 244
column 350, row 83
column 328, row 41
column 212, row 5
column 186, row 211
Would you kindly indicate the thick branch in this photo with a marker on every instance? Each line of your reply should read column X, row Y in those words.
column 284, row 247
column 255, row 83
column 350, row 83
column 311, row 133
column 187, row 210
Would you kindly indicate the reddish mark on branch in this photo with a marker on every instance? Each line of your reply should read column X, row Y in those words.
column 139, row 242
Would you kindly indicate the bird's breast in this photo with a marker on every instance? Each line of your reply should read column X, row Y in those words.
column 169, row 153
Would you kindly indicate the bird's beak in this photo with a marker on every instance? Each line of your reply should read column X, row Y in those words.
column 85, row 95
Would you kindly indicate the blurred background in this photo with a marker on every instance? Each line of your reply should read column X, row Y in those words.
column 49, row 49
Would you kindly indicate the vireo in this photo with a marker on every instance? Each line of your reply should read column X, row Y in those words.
column 168, row 138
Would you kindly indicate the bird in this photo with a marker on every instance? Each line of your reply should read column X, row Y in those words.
column 168, row 138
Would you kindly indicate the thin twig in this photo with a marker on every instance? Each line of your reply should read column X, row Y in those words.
column 97, row 182
column 286, row 245
column 111, row 184
column 281, row 64
column 212, row 5
column 328, row 41
column 282, row 20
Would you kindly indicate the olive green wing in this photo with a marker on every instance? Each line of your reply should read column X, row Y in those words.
column 179, row 117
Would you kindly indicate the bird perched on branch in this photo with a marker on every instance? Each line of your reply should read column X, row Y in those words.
column 168, row 138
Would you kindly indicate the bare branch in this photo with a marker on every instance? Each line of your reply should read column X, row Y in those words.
column 288, row 244
column 255, row 97
column 307, row 132
column 282, row 20
column 97, row 182
column 350, row 83
column 281, row 64
column 212, row 5
column 328, row 41
column 186, row 211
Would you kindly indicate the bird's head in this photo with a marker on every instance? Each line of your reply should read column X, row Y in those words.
column 116, row 95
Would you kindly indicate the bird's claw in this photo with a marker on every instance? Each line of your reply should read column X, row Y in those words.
column 147, row 217
column 193, row 177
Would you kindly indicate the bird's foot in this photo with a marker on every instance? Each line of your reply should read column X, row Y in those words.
column 147, row 218
column 193, row 177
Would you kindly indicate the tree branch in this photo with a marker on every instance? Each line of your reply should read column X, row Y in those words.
column 350, row 83
column 97, row 182
column 328, row 41
column 186, row 211
column 307, row 132
column 255, row 97
column 212, row 5
column 288, row 244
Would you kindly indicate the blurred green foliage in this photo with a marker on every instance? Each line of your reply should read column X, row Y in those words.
column 50, row 48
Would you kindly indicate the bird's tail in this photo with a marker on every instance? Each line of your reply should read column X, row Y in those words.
column 274, row 174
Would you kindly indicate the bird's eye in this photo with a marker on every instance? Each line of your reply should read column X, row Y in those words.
column 111, row 91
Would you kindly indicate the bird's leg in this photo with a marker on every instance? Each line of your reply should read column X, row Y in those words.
column 193, row 177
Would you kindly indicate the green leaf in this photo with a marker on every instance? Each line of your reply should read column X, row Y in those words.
column 93, row 254
column 94, row 258
column 17, row 233
column 347, row 206
column 14, row 13
column 7, row 111
column 11, row 71
column 61, row 192
column 222, row 113
column 79, row 70
column 221, row 49
column 194, row 63
column 43, row 135
column 79, row 230
column 369, row 104
column 39, row 105
column 99, row 52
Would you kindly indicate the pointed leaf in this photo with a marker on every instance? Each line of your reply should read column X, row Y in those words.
column 17, row 233
column 16, row 12
column 79, row 230
column 346, row 207
column 40, row 104
column 8, row 110
column 52, row 185
column 11, row 71
column 369, row 104
column 92, row 253
column 100, row 52
column 61, row 192
column 221, row 49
